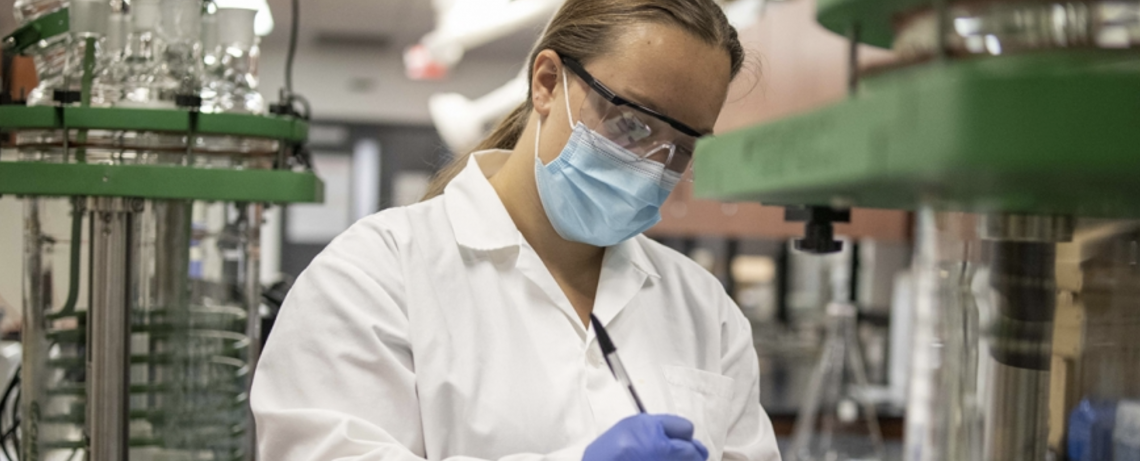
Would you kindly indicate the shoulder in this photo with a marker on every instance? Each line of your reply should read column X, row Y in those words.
column 382, row 236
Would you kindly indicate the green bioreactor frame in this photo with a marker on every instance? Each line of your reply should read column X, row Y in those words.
column 152, row 181
column 1053, row 132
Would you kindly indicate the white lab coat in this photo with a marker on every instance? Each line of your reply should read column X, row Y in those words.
column 434, row 331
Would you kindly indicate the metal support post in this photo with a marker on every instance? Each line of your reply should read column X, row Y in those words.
column 108, row 329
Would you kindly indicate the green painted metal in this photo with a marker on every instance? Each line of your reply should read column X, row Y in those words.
column 1045, row 133
column 875, row 17
column 300, row 130
column 246, row 125
column 159, row 182
column 119, row 118
column 28, row 117
column 43, row 28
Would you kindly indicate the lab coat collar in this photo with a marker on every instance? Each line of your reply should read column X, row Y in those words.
column 478, row 218
column 481, row 222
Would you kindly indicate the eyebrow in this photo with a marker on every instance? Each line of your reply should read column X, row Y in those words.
column 641, row 99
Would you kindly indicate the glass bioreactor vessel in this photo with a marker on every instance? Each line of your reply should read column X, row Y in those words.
column 144, row 158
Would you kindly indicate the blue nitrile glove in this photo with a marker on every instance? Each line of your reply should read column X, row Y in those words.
column 648, row 438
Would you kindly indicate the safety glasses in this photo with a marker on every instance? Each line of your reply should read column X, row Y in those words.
column 650, row 135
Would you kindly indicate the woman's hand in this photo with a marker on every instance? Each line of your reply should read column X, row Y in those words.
column 648, row 438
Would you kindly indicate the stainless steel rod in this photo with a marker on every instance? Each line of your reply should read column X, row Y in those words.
column 108, row 353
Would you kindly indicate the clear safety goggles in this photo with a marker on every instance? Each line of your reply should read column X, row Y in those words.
column 650, row 135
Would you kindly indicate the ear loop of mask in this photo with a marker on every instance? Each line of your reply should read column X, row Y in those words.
column 569, row 114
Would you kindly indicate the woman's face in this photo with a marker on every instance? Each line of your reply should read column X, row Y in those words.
column 661, row 67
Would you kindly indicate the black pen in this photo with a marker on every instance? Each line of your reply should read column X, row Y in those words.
column 609, row 352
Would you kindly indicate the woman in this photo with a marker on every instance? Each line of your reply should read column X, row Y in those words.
column 459, row 328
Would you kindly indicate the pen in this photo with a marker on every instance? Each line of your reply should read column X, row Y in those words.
column 609, row 352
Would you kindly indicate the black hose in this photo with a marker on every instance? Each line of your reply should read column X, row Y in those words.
column 294, row 23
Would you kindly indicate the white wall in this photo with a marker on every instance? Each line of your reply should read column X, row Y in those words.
column 11, row 250
column 327, row 79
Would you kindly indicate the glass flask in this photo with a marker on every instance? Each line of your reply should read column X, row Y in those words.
column 836, row 421
column 231, row 84
column 181, row 27
column 88, row 21
column 80, row 80
column 209, row 39
column 49, row 56
column 1025, row 338
column 141, row 73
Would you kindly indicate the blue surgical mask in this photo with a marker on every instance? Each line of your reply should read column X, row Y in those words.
column 598, row 192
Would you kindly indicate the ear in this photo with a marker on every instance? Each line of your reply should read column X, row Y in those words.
column 545, row 81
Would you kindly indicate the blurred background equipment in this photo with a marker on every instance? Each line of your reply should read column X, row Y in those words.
column 836, row 420
column 145, row 158
column 1005, row 127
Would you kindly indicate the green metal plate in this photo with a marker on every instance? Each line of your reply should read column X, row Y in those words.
column 43, row 28
column 118, row 118
column 300, row 130
column 873, row 16
column 159, row 182
column 1045, row 133
column 28, row 117
column 247, row 125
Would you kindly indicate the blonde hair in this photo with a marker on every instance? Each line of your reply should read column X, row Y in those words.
column 585, row 29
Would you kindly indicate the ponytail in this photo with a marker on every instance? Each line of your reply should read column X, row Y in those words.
column 505, row 136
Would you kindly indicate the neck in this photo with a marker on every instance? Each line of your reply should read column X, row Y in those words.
column 516, row 187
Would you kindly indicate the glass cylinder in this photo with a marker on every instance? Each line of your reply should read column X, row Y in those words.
column 1019, row 320
column 49, row 56
column 231, row 84
column 181, row 28
column 141, row 73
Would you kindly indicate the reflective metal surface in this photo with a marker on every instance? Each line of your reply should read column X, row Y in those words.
column 994, row 29
column 108, row 332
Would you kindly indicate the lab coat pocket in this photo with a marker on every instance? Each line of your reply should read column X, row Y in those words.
column 704, row 398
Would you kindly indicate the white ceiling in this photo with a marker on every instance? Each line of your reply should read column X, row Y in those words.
column 400, row 23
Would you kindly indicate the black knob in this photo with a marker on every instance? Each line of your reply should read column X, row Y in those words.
column 819, row 233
